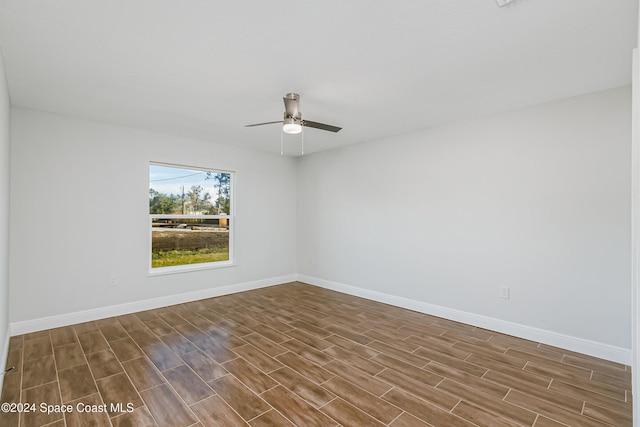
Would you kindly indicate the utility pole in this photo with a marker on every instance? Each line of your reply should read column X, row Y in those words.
column 183, row 200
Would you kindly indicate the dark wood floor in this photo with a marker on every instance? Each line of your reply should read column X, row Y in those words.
column 299, row 355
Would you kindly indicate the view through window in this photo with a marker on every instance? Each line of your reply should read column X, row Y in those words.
column 190, row 217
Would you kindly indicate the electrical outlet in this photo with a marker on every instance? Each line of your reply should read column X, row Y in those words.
column 504, row 292
column 114, row 280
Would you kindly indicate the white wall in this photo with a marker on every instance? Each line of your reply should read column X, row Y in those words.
column 535, row 199
column 635, row 235
column 635, row 225
column 4, row 214
column 79, row 206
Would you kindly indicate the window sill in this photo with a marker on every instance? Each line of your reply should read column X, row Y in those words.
column 162, row 271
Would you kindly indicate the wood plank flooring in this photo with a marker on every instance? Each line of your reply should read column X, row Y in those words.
column 298, row 355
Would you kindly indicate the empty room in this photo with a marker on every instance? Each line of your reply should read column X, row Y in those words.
column 418, row 213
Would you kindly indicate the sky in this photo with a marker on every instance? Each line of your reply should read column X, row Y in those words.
column 171, row 179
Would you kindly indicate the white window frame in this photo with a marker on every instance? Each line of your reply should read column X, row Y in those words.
column 230, row 224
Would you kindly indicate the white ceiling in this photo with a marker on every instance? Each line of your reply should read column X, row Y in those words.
column 206, row 68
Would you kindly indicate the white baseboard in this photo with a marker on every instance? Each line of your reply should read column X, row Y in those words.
column 580, row 345
column 27, row 326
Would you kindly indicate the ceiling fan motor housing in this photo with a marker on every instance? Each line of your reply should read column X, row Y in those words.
column 291, row 106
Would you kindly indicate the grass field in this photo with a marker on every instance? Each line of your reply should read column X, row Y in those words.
column 181, row 257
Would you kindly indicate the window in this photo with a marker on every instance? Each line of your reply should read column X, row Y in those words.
column 190, row 217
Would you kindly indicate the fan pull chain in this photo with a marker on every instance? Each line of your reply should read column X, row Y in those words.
column 281, row 142
column 302, row 135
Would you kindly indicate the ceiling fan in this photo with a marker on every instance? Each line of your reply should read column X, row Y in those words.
column 293, row 122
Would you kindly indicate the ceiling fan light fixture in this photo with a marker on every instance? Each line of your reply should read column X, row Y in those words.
column 291, row 126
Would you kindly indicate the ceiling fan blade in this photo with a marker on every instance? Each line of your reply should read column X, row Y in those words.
column 291, row 101
column 322, row 126
column 260, row 124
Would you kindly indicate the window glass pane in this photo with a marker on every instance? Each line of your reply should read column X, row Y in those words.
column 180, row 241
column 183, row 191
